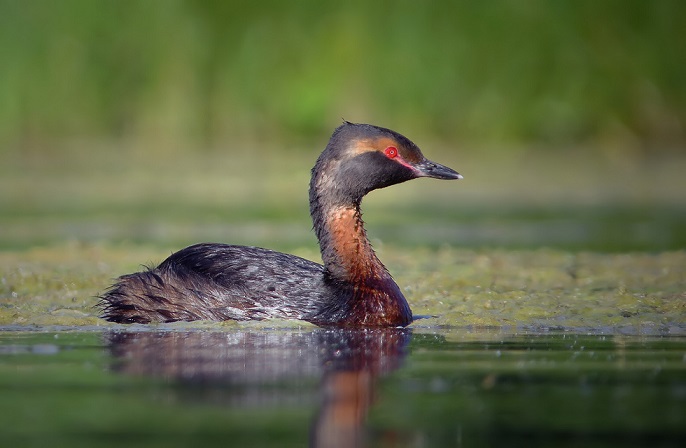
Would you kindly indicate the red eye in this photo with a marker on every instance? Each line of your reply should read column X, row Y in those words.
column 391, row 152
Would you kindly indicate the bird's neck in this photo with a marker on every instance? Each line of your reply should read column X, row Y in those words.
column 335, row 208
column 346, row 251
column 349, row 259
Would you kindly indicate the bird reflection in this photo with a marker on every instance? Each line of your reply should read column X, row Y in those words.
column 240, row 364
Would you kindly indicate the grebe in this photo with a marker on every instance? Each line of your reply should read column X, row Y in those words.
column 351, row 289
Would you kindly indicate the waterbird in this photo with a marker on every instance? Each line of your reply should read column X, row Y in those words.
column 352, row 288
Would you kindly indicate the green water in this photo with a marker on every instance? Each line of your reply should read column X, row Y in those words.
column 294, row 387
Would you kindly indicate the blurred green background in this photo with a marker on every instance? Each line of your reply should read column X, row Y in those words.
column 174, row 121
column 202, row 73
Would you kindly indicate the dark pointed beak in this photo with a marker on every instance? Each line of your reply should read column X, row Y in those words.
column 427, row 168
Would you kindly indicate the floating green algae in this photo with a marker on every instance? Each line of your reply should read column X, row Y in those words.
column 58, row 286
column 551, row 289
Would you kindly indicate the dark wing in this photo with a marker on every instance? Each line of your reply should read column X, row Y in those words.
column 241, row 282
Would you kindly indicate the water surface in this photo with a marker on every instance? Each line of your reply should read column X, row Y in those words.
column 297, row 387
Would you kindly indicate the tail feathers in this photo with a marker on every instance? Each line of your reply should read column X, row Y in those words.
column 145, row 297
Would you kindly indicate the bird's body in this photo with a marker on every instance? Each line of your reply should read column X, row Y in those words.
column 352, row 288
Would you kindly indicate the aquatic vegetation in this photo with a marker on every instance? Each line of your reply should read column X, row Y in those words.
column 57, row 285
